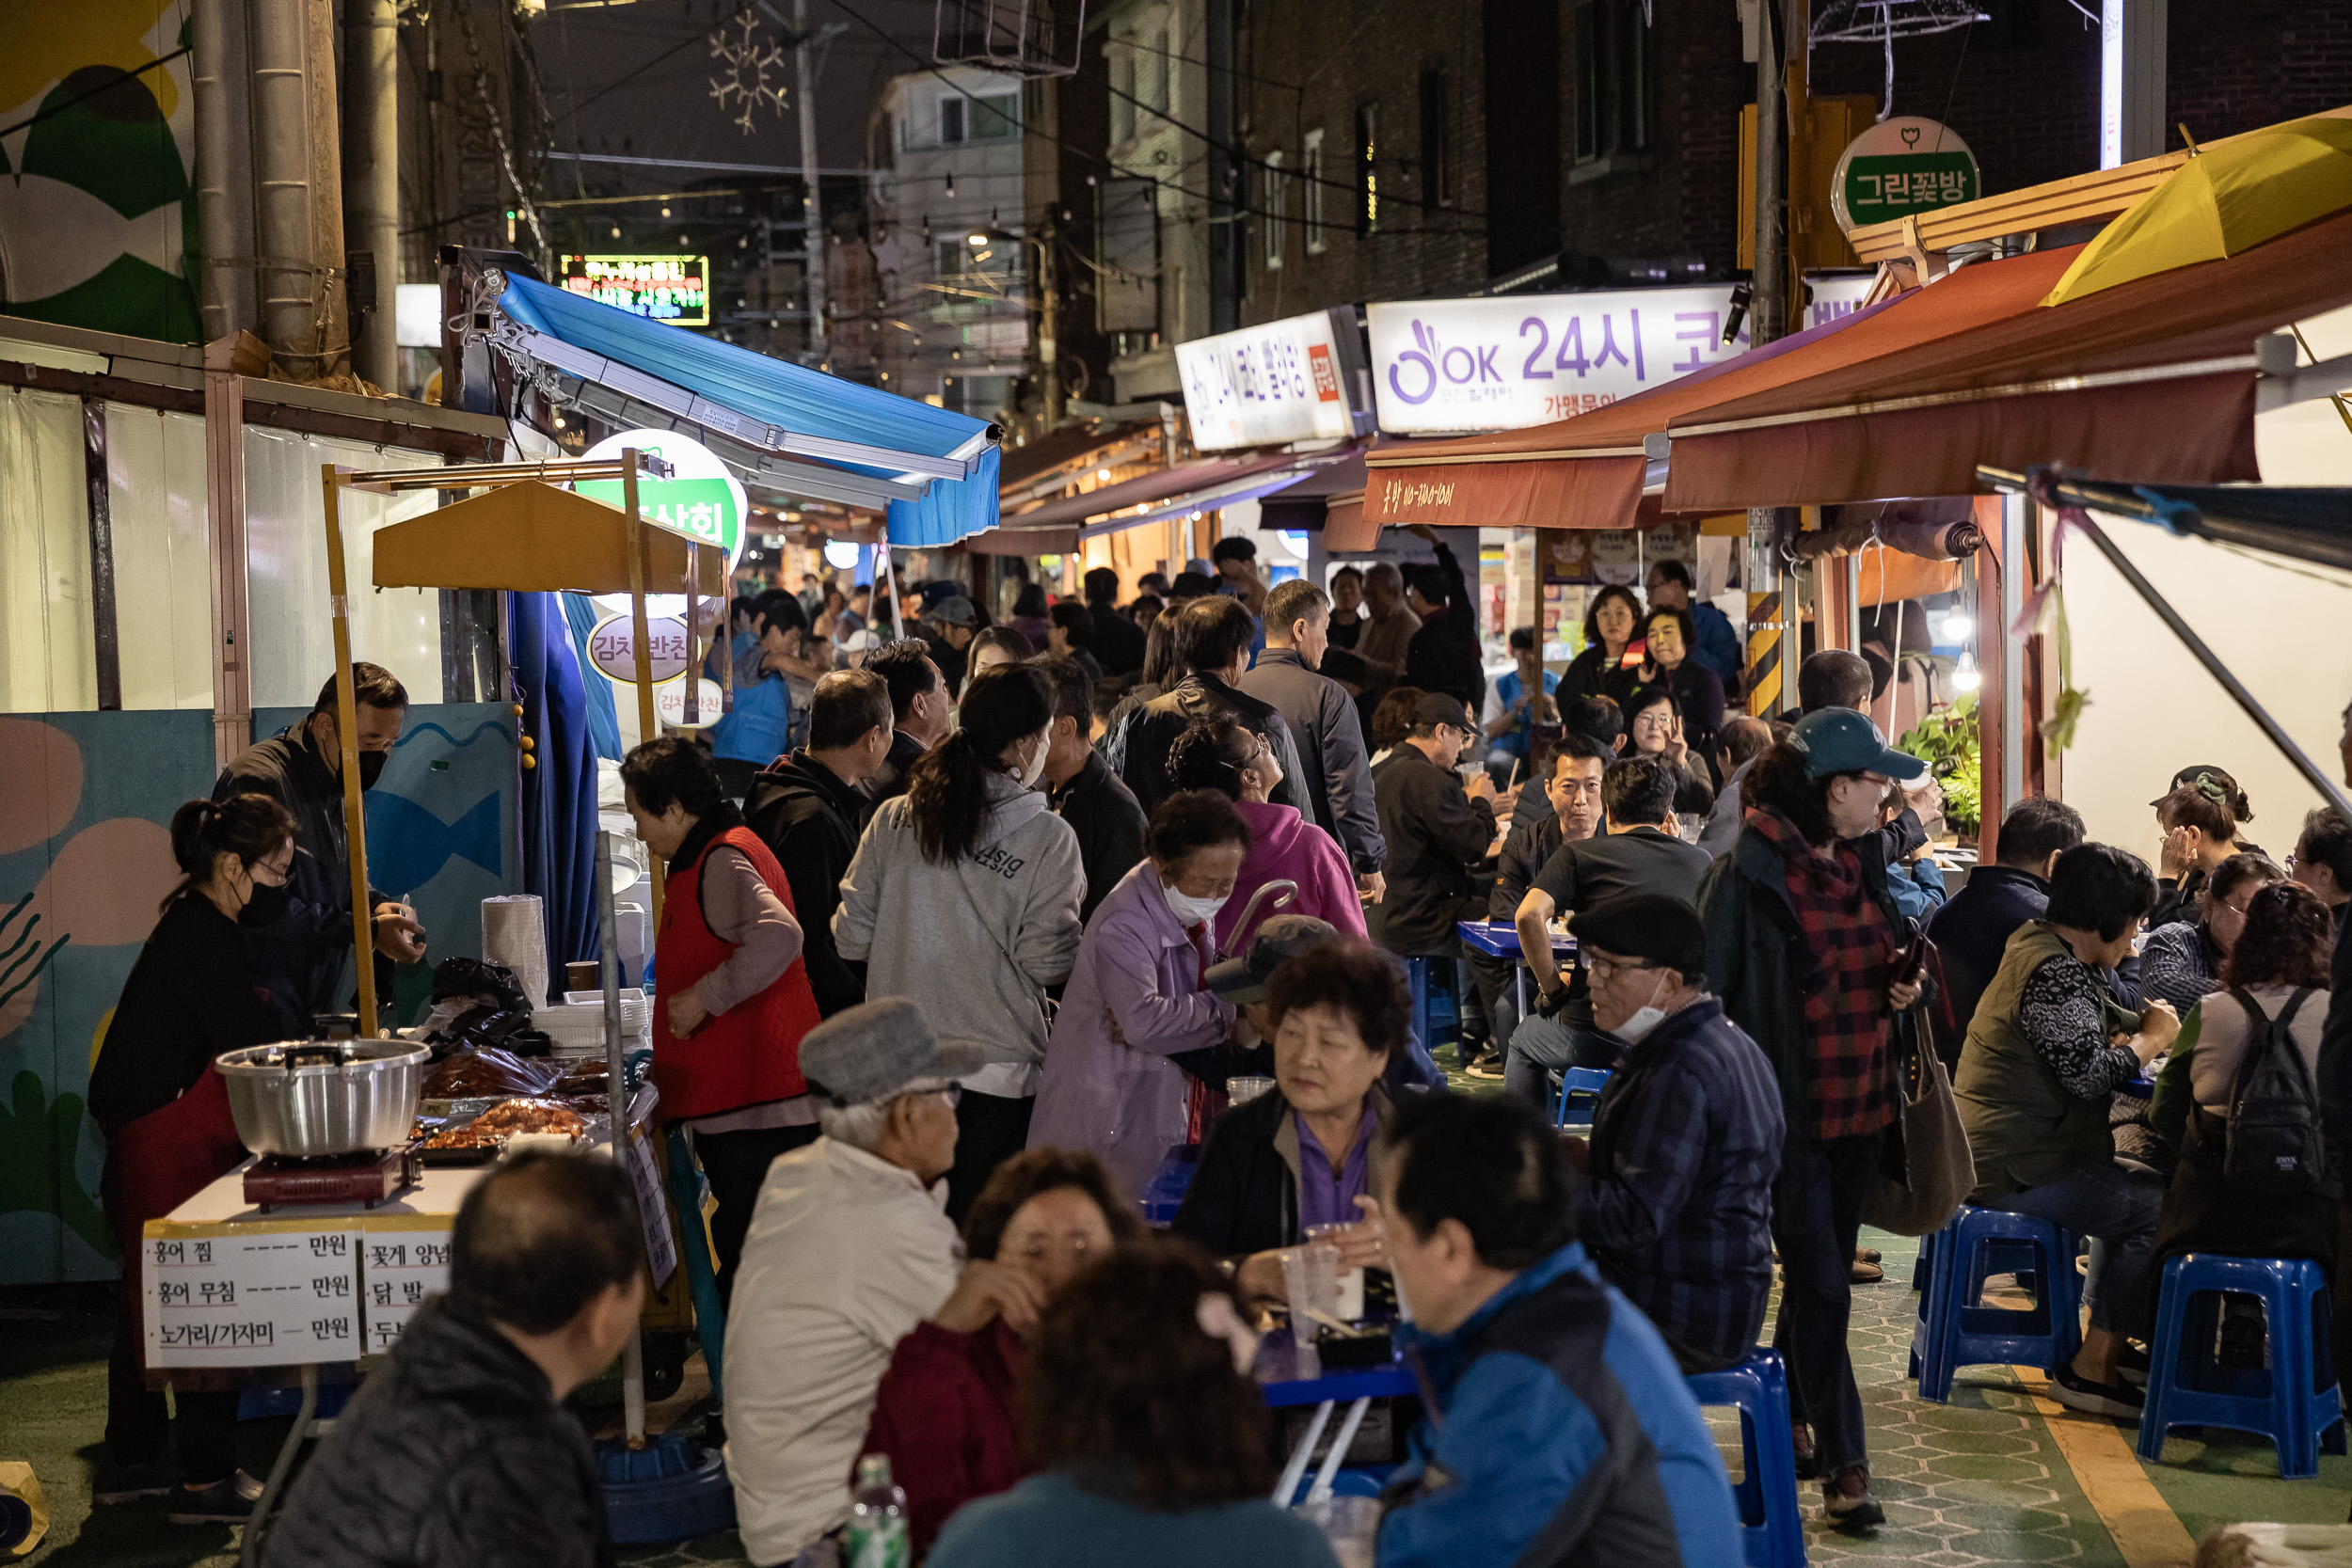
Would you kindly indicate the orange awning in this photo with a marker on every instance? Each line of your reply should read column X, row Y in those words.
column 2151, row 380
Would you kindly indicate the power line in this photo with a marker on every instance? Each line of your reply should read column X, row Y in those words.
column 1117, row 172
column 631, row 76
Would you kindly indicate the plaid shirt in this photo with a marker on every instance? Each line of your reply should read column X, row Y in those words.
column 1678, row 1214
column 1852, row 946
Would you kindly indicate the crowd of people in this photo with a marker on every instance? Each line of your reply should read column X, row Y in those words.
column 972, row 933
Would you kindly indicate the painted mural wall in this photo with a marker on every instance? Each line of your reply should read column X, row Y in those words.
column 85, row 861
column 98, row 223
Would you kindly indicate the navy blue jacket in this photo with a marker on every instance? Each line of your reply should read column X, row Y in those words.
column 1567, row 1434
column 1719, row 646
column 1972, row 931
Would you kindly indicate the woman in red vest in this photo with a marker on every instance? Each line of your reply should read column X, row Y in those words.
column 734, row 995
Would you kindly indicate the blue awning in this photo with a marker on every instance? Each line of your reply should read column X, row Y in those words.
column 821, row 424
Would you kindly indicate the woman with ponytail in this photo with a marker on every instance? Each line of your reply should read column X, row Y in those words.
column 191, row 996
column 963, row 895
column 1219, row 754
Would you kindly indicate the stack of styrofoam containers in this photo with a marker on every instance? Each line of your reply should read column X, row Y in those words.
column 577, row 1026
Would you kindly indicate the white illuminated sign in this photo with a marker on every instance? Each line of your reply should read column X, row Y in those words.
column 1443, row 366
column 1265, row 385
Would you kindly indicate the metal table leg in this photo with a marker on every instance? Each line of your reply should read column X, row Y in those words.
column 249, row 1549
column 1296, row 1469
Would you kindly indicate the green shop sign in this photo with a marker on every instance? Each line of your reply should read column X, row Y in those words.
column 1899, row 167
column 703, row 500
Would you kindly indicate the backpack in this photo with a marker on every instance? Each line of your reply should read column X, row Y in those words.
column 2275, row 1147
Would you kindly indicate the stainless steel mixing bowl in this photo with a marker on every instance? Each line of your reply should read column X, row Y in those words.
column 325, row 1097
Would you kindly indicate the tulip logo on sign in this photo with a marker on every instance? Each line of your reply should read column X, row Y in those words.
column 1428, row 363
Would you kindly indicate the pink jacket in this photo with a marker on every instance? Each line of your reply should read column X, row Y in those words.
column 1284, row 843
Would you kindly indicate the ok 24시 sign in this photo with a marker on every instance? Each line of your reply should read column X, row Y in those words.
column 1445, row 366
column 1899, row 166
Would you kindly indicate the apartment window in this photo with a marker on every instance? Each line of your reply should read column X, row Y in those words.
column 1437, row 138
column 1613, row 106
column 1367, row 169
column 950, row 120
column 997, row 117
column 1277, row 217
column 1122, row 64
column 1311, row 190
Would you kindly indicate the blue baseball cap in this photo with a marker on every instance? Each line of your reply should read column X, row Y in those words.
column 1839, row 740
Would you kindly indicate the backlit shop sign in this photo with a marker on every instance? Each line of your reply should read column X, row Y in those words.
column 1283, row 381
column 1442, row 366
column 671, row 289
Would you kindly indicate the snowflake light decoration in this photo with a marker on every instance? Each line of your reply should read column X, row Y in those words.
column 748, row 60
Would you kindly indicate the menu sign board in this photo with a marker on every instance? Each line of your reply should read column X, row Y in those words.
column 1449, row 366
column 403, row 1261
column 264, row 1293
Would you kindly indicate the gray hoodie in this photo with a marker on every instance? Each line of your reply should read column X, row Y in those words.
column 975, row 944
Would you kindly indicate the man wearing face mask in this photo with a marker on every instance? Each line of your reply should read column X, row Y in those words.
column 1678, row 1201
column 298, row 953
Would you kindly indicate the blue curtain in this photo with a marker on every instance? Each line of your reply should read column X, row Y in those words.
column 580, row 612
column 559, row 818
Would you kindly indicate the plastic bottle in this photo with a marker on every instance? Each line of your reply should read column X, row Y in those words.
column 876, row 1536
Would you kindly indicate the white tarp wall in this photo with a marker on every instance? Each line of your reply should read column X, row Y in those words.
column 2282, row 627
column 48, row 661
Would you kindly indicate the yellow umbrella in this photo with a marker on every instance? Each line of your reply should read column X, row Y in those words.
column 2227, row 198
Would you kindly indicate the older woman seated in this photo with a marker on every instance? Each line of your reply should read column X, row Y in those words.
column 1217, row 753
column 1299, row 1155
column 944, row 1411
column 2046, row 1050
column 1135, row 1002
column 1156, row 1449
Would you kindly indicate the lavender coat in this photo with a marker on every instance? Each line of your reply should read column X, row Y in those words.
column 1133, row 999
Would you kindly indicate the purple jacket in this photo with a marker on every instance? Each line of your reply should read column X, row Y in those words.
column 1134, row 1000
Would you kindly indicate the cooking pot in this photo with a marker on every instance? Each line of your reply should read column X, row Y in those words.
column 324, row 1097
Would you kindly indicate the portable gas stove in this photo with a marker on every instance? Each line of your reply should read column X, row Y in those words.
column 369, row 1177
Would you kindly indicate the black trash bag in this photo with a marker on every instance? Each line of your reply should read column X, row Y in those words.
column 491, row 983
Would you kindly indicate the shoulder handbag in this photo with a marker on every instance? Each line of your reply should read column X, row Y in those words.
column 1937, row 1171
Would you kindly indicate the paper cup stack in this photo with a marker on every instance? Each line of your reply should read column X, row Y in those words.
column 514, row 933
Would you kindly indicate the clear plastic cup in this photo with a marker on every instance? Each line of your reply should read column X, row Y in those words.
column 1241, row 1091
column 1351, row 1525
column 1310, row 1278
column 1351, row 1307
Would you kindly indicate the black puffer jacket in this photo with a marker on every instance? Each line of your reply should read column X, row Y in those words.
column 811, row 821
column 299, row 958
column 455, row 1455
column 1137, row 748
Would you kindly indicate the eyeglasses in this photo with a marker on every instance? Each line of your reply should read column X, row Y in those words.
column 1602, row 969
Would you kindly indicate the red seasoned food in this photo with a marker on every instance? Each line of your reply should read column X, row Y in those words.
column 469, row 1074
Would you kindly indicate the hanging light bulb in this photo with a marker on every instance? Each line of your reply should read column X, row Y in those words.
column 1965, row 676
column 1956, row 626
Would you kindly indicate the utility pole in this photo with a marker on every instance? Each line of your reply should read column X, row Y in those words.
column 1772, row 599
column 812, row 209
column 1048, row 348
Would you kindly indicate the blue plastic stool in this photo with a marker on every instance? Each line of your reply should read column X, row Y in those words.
column 1581, row 1082
column 2295, row 1403
column 1955, row 1331
column 1437, row 1013
column 1769, row 1526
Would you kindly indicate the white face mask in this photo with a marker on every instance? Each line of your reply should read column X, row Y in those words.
column 1189, row 909
column 1036, row 769
column 1646, row 1018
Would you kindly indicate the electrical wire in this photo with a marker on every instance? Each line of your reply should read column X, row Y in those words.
column 109, row 86
column 1117, row 172
column 623, row 81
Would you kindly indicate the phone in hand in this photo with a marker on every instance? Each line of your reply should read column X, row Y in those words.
column 1912, row 962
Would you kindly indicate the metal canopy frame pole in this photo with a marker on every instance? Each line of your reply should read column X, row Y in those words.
column 347, row 741
column 640, row 568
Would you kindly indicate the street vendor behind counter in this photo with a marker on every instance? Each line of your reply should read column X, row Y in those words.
column 192, row 994
column 298, row 958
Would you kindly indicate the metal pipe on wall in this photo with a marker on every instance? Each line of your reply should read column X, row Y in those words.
column 224, row 200
column 372, row 181
column 282, row 177
column 812, row 194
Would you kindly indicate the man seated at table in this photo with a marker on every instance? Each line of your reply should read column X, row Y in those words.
column 458, row 1451
column 1639, row 854
column 1559, row 1429
column 1570, row 772
column 849, row 1250
column 1678, row 1201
